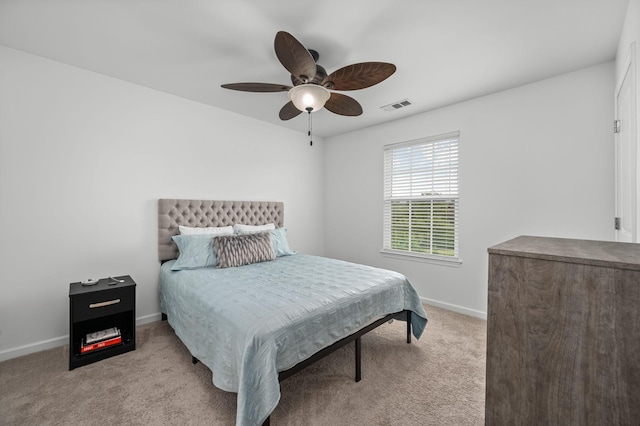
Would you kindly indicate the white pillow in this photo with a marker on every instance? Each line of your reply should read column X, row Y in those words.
column 252, row 229
column 212, row 230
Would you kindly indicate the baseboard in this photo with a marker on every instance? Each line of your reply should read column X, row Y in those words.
column 454, row 308
column 63, row 340
column 148, row 318
column 33, row 347
column 58, row 341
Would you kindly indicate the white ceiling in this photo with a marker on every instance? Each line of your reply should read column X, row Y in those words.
column 446, row 51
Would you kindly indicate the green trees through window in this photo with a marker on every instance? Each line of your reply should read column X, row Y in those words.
column 426, row 227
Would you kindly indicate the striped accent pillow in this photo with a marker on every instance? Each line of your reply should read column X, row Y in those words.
column 238, row 250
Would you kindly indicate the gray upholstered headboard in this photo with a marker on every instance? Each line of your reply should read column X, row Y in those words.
column 172, row 213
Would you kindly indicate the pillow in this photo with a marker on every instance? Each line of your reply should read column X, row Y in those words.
column 196, row 251
column 241, row 229
column 211, row 230
column 279, row 242
column 238, row 250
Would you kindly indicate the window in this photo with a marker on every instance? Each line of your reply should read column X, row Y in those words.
column 421, row 197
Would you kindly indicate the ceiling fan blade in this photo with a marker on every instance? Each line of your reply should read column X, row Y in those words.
column 359, row 76
column 257, row 87
column 289, row 111
column 294, row 56
column 296, row 81
column 343, row 105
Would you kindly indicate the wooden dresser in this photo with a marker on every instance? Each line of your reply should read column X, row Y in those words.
column 563, row 333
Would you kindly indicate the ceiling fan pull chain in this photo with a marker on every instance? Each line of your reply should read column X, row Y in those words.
column 310, row 137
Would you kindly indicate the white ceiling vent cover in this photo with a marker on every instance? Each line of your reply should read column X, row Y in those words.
column 397, row 105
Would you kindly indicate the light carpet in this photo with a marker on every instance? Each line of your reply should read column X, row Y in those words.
column 437, row 380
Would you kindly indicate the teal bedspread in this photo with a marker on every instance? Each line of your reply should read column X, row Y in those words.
column 248, row 323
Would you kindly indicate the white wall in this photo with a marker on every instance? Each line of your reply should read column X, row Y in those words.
column 83, row 160
column 630, row 33
column 534, row 160
column 84, row 157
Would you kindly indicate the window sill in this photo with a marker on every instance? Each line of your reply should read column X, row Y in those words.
column 436, row 260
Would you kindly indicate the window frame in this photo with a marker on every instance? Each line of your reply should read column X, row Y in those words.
column 452, row 184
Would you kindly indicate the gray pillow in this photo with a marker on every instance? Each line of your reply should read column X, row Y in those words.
column 238, row 250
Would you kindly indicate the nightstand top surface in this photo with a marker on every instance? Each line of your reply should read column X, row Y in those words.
column 102, row 285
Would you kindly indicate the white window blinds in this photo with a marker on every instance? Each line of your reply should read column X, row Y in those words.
column 421, row 197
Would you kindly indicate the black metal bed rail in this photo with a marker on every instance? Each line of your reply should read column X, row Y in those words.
column 342, row 342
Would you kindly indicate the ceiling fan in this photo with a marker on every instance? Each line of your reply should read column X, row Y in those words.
column 312, row 86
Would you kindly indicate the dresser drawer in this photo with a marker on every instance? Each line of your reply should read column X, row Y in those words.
column 99, row 304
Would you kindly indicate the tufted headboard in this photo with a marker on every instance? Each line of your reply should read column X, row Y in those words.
column 172, row 213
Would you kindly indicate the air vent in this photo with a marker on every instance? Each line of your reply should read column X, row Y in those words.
column 397, row 105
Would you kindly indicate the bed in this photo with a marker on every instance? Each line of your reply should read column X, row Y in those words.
column 255, row 325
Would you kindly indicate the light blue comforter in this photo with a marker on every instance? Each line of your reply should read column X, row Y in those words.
column 248, row 323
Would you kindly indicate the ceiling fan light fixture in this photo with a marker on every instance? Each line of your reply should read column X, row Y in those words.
column 305, row 96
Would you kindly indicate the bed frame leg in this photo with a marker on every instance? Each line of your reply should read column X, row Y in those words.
column 194, row 360
column 358, row 359
column 267, row 422
column 408, row 326
column 163, row 317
